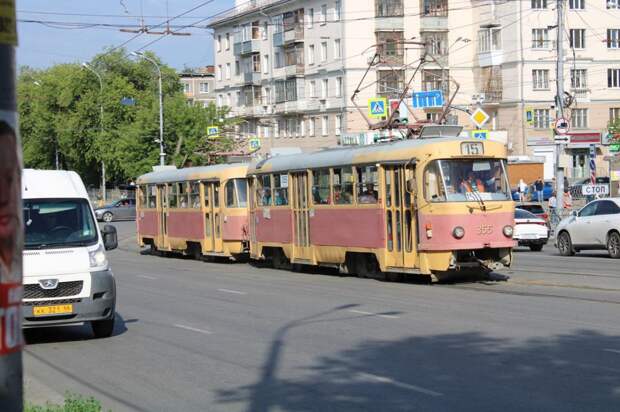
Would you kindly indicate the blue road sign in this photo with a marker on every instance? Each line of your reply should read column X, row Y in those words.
column 480, row 134
column 377, row 107
column 431, row 98
column 128, row 101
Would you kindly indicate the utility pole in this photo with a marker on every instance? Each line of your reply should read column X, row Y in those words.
column 11, row 238
column 559, row 102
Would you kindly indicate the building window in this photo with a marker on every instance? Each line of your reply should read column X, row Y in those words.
column 577, row 4
column 488, row 40
column 237, row 68
column 279, row 60
column 338, row 86
column 541, row 118
column 265, row 30
column 613, row 78
column 310, row 18
column 311, row 54
column 228, row 99
column 613, row 4
column 540, row 79
column 324, row 125
column 187, row 88
column 312, row 89
column 204, row 87
column 539, row 4
column 614, row 114
column 337, row 51
column 434, row 80
column 219, row 72
column 613, row 38
column 323, row 14
column 323, row 51
column 227, row 71
column 218, row 43
column 579, row 118
column 578, row 78
column 311, row 126
column 255, row 30
column 577, row 38
column 302, row 127
column 337, row 10
column 266, row 64
column 324, row 86
column 256, row 63
column 227, row 42
column 540, row 38
column 219, row 100
column 338, row 127
column 392, row 8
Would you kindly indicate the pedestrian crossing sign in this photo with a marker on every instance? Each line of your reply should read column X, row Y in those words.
column 253, row 143
column 213, row 132
column 377, row 107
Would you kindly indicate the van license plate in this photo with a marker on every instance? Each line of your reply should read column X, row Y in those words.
column 52, row 310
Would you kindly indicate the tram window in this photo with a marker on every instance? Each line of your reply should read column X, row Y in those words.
column 206, row 197
column 408, row 223
column 173, row 190
column 195, row 195
column 142, row 196
column 367, row 186
column 388, row 227
column 343, row 185
column 183, row 195
column 320, row 187
column 388, row 187
column 241, row 185
column 433, row 187
column 280, row 190
column 217, row 225
column 263, row 190
column 208, row 224
column 231, row 200
column 398, row 231
column 151, row 193
column 397, row 173
column 216, row 194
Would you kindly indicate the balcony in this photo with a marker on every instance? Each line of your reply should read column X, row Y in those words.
column 582, row 95
column 395, row 23
column 246, row 47
column 492, row 96
column 278, row 39
column 251, row 78
column 294, row 70
column 434, row 15
column 294, row 34
column 490, row 58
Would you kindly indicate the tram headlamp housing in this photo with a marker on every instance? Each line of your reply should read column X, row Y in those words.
column 458, row 232
column 508, row 231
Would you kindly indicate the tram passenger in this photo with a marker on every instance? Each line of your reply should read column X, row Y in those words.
column 280, row 198
column 471, row 184
column 369, row 195
column 266, row 196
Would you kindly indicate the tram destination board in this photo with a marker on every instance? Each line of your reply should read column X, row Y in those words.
column 472, row 148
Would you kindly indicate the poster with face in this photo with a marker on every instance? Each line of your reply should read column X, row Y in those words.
column 10, row 194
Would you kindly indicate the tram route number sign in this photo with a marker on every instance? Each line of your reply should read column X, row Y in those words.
column 593, row 190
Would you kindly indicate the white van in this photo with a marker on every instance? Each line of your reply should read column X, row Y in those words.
column 67, row 278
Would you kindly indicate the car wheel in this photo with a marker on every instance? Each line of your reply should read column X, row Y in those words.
column 565, row 245
column 536, row 248
column 613, row 245
column 102, row 328
column 107, row 217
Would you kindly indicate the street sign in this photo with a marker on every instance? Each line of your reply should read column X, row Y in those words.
column 480, row 134
column 561, row 138
column 213, row 132
column 529, row 115
column 479, row 117
column 431, row 98
column 377, row 107
column 253, row 144
column 128, row 101
column 593, row 190
column 562, row 126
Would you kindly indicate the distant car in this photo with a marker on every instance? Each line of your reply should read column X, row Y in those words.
column 530, row 230
column 595, row 226
column 124, row 209
column 535, row 208
column 575, row 188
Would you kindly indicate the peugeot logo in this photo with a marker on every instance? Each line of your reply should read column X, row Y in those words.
column 48, row 283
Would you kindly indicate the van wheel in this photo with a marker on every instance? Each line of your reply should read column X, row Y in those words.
column 102, row 328
column 613, row 245
column 565, row 245
column 107, row 217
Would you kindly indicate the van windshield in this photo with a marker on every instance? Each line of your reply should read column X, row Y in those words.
column 54, row 223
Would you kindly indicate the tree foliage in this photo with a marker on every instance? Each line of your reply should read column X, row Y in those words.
column 60, row 106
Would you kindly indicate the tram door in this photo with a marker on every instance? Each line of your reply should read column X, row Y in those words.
column 162, row 208
column 400, row 217
column 213, row 227
column 301, row 235
column 252, row 214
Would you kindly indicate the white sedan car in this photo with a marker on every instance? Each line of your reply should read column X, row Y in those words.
column 530, row 230
column 595, row 226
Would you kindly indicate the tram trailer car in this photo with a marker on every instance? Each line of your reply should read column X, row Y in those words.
column 436, row 207
column 198, row 211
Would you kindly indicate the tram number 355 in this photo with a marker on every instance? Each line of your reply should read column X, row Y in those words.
column 472, row 148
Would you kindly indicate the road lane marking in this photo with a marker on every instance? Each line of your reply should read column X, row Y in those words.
column 389, row 316
column 361, row 312
column 385, row 379
column 234, row 292
column 206, row 332
column 147, row 277
column 612, row 350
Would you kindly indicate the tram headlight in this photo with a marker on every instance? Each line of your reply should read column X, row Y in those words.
column 508, row 230
column 458, row 232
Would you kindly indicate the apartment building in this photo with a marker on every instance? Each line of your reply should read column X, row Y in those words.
column 199, row 85
column 289, row 68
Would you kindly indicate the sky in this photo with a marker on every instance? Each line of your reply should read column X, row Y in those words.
column 42, row 46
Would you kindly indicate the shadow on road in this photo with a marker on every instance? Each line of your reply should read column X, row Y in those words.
column 54, row 334
column 466, row 371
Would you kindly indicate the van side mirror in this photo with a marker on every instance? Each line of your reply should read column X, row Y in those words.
column 110, row 238
column 574, row 213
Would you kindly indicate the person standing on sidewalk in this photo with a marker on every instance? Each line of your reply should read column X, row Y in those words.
column 568, row 199
column 539, row 185
column 552, row 206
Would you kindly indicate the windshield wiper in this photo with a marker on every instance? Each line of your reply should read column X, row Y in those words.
column 59, row 245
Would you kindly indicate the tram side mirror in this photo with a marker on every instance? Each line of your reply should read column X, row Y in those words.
column 110, row 238
column 411, row 186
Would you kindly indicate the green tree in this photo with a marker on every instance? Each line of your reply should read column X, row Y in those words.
column 60, row 108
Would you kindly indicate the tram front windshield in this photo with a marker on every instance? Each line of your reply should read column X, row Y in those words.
column 462, row 180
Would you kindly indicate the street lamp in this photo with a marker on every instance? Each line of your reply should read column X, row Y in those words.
column 89, row 68
column 162, row 154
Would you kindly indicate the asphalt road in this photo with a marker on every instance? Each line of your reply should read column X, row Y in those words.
column 196, row 336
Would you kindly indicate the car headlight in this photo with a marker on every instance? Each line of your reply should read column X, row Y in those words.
column 97, row 257
column 508, row 231
column 458, row 232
